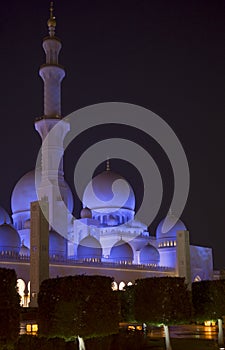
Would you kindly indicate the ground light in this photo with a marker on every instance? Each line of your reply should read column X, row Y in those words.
column 31, row 328
column 209, row 323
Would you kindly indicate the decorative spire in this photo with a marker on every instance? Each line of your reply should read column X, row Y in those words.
column 107, row 165
column 51, row 72
column 51, row 22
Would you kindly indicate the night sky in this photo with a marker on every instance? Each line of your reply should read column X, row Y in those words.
column 167, row 56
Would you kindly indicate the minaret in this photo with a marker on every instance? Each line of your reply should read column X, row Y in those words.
column 51, row 72
column 52, row 175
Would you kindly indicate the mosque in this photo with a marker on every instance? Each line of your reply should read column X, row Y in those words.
column 107, row 239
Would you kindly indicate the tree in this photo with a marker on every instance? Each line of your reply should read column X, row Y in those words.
column 78, row 305
column 162, row 300
column 208, row 299
column 126, row 302
column 9, row 306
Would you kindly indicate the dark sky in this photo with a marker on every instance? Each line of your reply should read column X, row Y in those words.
column 167, row 56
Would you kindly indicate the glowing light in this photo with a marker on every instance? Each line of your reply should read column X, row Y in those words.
column 32, row 328
column 209, row 323
column 122, row 285
column 114, row 286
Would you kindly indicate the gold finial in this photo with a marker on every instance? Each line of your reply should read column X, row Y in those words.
column 107, row 165
column 51, row 22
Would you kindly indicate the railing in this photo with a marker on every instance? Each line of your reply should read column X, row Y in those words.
column 75, row 262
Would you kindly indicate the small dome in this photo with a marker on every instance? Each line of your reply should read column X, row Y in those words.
column 25, row 192
column 163, row 232
column 86, row 213
column 89, row 248
column 9, row 239
column 106, row 191
column 121, row 252
column 149, row 255
column 4, row 217
column 57, row 245
column 24, row 250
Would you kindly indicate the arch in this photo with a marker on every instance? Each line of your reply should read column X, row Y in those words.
column 28, row 295
column 149, row 255
column 89, row 249
column 121, row 252
column 21, row 290
column 57, row 245
column 122, row 285
column 197, row 278
column 129, row 284
column 114, row 286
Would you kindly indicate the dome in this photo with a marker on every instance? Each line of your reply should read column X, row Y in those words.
column 86, row 213
column 108, row 192
column 9, row 239
column 163, row 232
column 89, row 248
column 4, row 217
column 149, row 255
column 25, row 192
column 57, row 245
column 121, row 252
column 24, row 250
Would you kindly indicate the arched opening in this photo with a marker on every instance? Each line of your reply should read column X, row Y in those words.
column 122, row 285
column 28, row 296
column 197, row 278
column 114, row 286
column 21, row 290
column 121, row 253
column 89, row 249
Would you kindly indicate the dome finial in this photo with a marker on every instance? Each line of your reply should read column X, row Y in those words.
column 107, row 164
column 51, row 22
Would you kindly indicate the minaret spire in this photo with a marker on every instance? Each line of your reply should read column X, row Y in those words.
column 51, row 22
column 51, row 72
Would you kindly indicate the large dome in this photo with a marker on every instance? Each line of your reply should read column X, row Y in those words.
column 105, row 191
column 25, row 192
column 169, row 230
column 9, row 239
column 4, row 217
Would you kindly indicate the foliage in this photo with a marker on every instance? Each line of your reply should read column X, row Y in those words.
column 78, row 305
column 208, row 299
column 28, row 342
column 9, row 306
column 126, row 300
column 162, row 300
column 121, row 341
